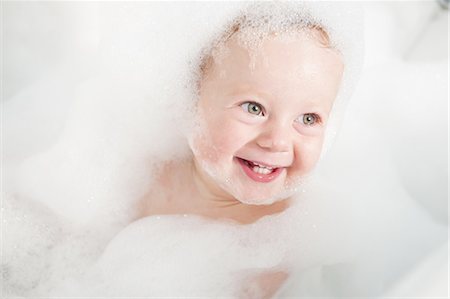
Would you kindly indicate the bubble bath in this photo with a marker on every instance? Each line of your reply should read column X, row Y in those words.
column 82, row 143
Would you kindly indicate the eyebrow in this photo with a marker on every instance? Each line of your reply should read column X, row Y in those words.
column 246, row 88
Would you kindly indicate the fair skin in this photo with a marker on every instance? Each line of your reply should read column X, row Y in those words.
column 274, row 114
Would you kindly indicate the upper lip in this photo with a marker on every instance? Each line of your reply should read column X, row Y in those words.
column 264, row 164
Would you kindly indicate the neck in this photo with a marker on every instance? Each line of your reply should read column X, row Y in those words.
column 208, row 190
column 188, row 190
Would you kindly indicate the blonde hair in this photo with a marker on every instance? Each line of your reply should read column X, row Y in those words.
column 316, row 31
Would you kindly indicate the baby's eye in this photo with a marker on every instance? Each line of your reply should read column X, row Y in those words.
column 310, row 119
column 253, row 108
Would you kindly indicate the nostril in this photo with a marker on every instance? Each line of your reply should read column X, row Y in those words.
column 264, row 143
column 274, row 145
column 275, row 138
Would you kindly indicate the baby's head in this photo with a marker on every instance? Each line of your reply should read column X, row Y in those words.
column 265, row 95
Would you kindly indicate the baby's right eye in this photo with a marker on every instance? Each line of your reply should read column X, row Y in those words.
column 253, row 108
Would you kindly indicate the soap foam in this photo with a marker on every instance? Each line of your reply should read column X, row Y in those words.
column 64, row 211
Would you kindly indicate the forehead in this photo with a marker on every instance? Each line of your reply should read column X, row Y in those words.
column 280, row 65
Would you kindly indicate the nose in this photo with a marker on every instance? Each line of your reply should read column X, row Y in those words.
column 275, row 137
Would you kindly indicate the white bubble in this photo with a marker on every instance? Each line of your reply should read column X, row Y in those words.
column 83, row 144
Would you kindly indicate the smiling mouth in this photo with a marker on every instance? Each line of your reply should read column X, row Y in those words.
column 260, row 172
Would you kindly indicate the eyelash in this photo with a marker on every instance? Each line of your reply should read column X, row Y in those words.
column 262, row 113
column 317, row 119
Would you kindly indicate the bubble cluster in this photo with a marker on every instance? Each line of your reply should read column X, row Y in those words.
column 82, row 147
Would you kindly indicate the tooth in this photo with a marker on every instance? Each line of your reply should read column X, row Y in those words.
column 266, row 167
column 261, row 170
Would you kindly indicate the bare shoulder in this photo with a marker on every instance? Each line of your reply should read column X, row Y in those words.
column 167, row 184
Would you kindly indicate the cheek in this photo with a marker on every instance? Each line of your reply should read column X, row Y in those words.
column 217, row 140
column 307, row 154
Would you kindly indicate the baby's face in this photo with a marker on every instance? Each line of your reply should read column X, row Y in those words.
column 261, row 126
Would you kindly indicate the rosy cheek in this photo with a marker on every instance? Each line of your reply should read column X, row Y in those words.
column 217, row 142
column 307, row 154
column 202, row 144
column 201, row 150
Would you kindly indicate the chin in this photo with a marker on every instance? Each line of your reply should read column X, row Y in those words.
column 233, row 182
column 252, row 193
column 259, row 201
column 263, row 198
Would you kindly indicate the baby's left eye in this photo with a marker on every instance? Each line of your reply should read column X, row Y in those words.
column 309, row 119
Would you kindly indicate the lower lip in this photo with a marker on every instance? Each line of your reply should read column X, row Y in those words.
column 259, row 177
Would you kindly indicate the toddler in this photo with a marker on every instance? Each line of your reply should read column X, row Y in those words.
column 264, row 99
column 261, row 118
